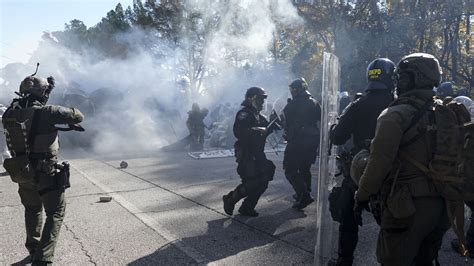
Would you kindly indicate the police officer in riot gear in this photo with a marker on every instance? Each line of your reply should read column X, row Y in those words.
column 32, row 139
column 302, row 117
column 254, row 169
column 358, row 122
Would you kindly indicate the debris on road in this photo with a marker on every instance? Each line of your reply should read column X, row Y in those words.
column 105, row 199
column 123, row 164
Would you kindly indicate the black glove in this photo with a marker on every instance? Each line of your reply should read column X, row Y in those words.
column 359, row 206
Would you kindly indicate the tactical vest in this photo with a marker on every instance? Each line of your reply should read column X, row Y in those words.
column 452, row 164
column 303, row 115
column 451, row 167
column 22, row 137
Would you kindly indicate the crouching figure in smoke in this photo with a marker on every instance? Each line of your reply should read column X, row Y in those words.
column 32, row 139
column 251, row 130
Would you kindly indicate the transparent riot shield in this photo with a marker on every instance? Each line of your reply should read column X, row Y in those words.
column 325, row 236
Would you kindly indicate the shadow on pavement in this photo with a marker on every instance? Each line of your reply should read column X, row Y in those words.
column 229, row 236
column 25, row 261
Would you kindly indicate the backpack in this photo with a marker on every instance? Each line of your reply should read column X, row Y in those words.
column 451, row 167
column 20, row 127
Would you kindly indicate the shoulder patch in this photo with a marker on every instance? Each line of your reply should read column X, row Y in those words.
column 242, row 115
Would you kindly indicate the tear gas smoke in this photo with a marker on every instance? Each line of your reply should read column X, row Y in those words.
column 138, row 103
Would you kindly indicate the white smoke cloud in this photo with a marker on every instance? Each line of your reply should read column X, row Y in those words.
column 148, row 108
column 246, row 26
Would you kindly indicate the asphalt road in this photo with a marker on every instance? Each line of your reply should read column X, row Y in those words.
column 167, row 210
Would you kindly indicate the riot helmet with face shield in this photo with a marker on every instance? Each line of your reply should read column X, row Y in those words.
column 255, row 96
column 298, row 86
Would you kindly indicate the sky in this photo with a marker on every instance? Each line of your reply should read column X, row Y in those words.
column 22, row 22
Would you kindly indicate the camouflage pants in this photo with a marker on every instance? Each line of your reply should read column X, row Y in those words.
column 415, row 239
column 41, row 244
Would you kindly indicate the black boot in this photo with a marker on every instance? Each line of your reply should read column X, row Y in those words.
column 229, row 204
column 248, row 212
column 345, row 261
column 303, row 201
column 233, row 197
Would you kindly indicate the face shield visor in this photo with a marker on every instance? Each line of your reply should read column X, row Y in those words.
column 259, row 102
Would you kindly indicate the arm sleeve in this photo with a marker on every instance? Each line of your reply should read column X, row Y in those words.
column 286, row 115
column 242, row 127
column 64, row 115
column 383, row 151
column 344, row 128
column 317, row 116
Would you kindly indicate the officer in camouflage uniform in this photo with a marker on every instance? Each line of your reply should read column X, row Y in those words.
column 255, row 170
column 37, row 139
column 414, row 214
column 302, row 118
column 358, row 122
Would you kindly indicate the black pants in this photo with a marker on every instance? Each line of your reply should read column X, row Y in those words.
column 251, row 189
column 297, row 164
column 299, row 176
column 348, row 229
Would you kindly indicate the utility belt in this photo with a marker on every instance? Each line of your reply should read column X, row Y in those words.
column 28, row 169
column 249, row 168
column 296, row 133
column 341, row 202
column 60, row 178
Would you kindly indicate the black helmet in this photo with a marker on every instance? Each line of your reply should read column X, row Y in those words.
column 299, row 84
column 418, row 70
column 255, row 91
column 380, row 74
column 445, row 89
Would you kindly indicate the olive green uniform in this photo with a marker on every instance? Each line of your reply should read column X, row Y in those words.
column 45, row 191
column 414, row 216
